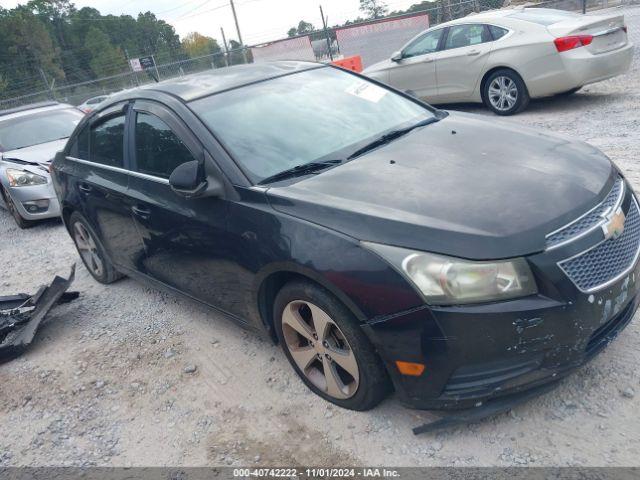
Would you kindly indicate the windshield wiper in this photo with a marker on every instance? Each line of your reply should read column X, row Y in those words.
column 300, row 170
column 389, row 137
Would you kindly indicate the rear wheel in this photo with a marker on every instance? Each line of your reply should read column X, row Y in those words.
column 327, row 348
column 505, row 93
column 91, row 251
column 11, row 207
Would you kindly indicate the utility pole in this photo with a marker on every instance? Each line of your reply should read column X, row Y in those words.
column 226, row 48
column 156, row 67
column 235, row 17
column 326, row 33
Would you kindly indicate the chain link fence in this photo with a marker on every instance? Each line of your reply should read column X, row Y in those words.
column 373, row 41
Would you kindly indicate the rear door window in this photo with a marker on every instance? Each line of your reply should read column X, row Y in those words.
column 80, row 146
column 466, row 35
column 158, row 149
column 106, row 141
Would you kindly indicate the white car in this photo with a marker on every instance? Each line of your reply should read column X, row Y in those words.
column 505, row 57
column 90, row 104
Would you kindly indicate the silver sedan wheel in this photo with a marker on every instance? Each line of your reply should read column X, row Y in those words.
column 320, row 349
column 503, row 93
column 87, row 248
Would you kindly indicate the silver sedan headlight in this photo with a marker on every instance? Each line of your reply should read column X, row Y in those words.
column 22, row 178
column 452, row 281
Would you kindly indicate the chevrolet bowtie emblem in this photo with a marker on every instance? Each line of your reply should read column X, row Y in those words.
column 614, row 225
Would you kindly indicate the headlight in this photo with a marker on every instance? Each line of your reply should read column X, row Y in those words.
column 452, row 281
column 22, row 178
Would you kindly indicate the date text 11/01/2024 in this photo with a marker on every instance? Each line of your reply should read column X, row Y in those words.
column 315, row 473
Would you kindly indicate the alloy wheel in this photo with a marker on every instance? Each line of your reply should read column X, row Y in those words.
column 88, row 249
column 320, row 349
column 503, row 93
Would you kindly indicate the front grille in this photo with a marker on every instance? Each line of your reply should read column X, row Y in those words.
column 609, row 260
column 607, row 332
column 590, row 220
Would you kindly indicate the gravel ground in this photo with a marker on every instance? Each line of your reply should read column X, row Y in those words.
column 129, row 376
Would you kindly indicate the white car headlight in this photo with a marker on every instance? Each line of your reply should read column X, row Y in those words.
column 452, row 281
column 22, row 178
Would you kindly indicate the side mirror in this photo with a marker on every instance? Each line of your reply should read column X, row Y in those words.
column 191, row 180
column 396, row 57
column 188, row 179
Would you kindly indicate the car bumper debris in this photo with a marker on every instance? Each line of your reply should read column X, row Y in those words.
column 21, row 315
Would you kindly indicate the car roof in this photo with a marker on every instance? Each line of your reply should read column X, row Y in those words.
column 202, row 84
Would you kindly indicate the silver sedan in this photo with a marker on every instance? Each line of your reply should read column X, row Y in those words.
column 30, row 136
column 505, row 57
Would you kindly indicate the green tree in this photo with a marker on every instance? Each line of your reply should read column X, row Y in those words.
column 105, row 58
column 302, row 28
column 374, row 8
column 196, row 45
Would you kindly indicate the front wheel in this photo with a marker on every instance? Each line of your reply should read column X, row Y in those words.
column 13, row 210
column 505, row 93
column 327, row 348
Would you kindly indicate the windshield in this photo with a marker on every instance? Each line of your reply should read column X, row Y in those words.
column 278, row 124
column 43, row 127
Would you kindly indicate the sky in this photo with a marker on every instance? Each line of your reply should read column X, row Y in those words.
column 260, row 20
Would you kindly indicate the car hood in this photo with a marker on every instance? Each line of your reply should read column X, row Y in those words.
column 463, row 186
column 35, row 158
column 42, row 153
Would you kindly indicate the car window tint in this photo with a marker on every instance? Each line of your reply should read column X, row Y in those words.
column 80, row 146
column 465, row 36
column 158, row 150
column 428, row 43
column 106, row 142
column 497, row 32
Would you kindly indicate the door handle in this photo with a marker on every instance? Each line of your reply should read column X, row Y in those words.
column 473, row 53
column 141, row 212
column 427, row 60
column 83, row 187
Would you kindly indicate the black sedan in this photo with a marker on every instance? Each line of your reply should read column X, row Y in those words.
column 383, row 243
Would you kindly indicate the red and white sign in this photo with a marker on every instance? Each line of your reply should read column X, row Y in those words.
column 135, row 65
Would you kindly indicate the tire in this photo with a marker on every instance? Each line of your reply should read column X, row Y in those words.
column 364, row 383
column 92, row 251
column 11, row 207
column 505, row 93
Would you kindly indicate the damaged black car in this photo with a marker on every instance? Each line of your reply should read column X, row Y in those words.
column 385, row 244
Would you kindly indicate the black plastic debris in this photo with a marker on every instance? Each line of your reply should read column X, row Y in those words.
column 21, row 315
column 489, row 409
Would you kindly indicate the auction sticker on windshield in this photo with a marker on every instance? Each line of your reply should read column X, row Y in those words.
column 367, row 91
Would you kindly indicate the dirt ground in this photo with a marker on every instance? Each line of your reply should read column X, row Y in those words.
column 106, row 382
